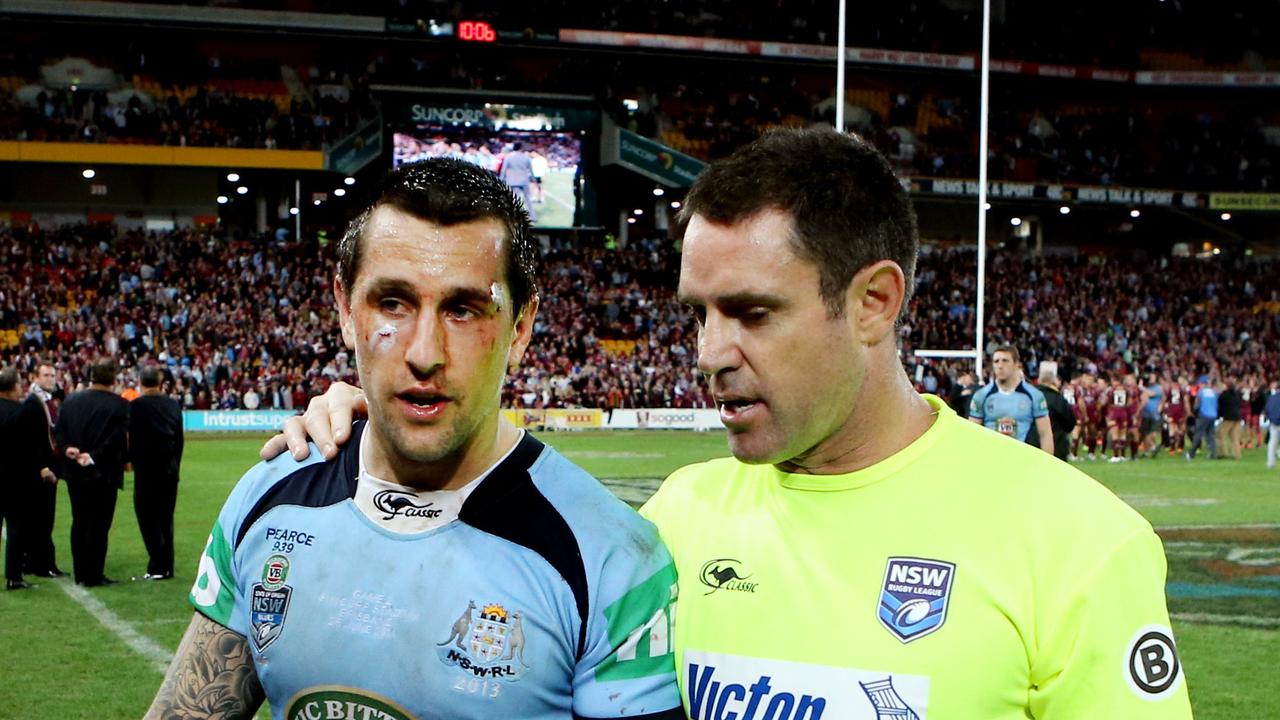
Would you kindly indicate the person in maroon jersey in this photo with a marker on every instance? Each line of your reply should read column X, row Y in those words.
column 1134, row 397
column 1101, row 403
column 1247, row 420
column 1116, row 401
column 1177, row 408
column 1084, row 400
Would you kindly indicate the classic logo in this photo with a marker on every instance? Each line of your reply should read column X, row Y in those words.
column 726, row 574
column 340, row 703
column 488, row 643
column 914, row 596
column 1152, row 668
column 401, row 503
column 267, row 611
column 274, row 572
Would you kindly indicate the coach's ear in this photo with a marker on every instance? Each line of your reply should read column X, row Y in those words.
column 874, row 299
column 344, row 314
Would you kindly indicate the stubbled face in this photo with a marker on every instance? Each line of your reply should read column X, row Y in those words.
column 431, row 323
column 785, row 375
column 1003, row 366
column 46, row 378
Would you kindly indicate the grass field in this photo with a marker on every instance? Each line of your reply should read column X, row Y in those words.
column 1220, row 521
column 556, row 209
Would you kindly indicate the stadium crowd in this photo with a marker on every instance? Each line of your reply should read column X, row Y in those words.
column 705, row 108
column 204, row 117
column 1087, row 33
column 247, row 323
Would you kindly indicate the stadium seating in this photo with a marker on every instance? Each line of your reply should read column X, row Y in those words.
column 610, row 332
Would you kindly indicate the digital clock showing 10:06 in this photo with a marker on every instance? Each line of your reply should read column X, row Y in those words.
column 476, row 31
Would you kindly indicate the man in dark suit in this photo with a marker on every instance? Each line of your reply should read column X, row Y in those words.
column 1061, row 417
column 92, row 434
column 155, row 449
column 13, row 420
column 42, row 482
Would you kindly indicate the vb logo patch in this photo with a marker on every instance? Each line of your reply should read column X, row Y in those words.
column 1152, row 668
column 269, row 602
column 487, row 642
column 914, row 596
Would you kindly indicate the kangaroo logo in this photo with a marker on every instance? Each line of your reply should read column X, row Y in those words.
column 515, row 641
column 460, row 627
column 726, row 574
column 399, row 502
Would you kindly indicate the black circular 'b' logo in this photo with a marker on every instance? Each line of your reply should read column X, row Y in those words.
column 1153, row 662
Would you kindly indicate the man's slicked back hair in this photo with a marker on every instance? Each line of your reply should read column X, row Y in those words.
column 848, row 207
column 447, row 192
column 8, row 379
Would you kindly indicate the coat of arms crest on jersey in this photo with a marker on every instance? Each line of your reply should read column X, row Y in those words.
column 487, row 641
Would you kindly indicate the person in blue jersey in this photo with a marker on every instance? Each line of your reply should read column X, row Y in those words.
column 443, row 564
column 1152, row 412
column 1206, row 420
column 1009, row 404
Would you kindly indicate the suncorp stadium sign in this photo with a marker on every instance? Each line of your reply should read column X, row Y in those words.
column 235, row 420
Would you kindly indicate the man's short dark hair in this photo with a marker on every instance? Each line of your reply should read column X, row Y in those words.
column 447, row 192
column 848, row 207
column 8, row 379
column 150, row 376
column 1012, row 352
column 103, row 372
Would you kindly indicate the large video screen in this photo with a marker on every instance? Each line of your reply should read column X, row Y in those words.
column 540, row 163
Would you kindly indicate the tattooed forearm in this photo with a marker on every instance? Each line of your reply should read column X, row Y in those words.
column 211, row 676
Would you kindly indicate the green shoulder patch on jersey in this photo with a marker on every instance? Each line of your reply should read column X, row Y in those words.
column 640, row 629
column 213, row 593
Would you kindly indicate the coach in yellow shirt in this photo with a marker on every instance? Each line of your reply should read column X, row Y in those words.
column 866, row 554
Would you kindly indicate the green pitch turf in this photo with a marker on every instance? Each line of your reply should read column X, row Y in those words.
column 1218, row 520
column 556, row 208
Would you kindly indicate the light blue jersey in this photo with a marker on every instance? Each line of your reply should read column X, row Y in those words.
column 1009, row 413
column 1208, row 403
column 1151, row 410
column 546, row 597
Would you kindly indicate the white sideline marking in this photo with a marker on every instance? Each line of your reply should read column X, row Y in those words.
column 139, row 643
column 1250, row 620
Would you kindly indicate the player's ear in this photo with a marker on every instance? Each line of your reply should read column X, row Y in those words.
column 874, row 299
column 345, row 318
column 523, row 332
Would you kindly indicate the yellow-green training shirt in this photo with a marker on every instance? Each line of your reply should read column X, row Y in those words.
column 967, row 576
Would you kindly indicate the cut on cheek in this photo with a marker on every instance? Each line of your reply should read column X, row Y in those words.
column 385, row 337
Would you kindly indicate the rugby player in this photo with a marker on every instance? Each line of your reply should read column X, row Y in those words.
column 444, row 564
column 1009, row 404
column 1176, row 411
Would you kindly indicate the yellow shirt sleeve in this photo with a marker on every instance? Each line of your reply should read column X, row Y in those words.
column 1106, row 648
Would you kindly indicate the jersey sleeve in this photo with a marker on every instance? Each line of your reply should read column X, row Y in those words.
column 217, row 591
column 628, row 667
column 976, row 404
column 1106, row 648
column 1039, row 406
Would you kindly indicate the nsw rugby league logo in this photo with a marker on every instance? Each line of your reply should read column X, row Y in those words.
column 914, row 596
